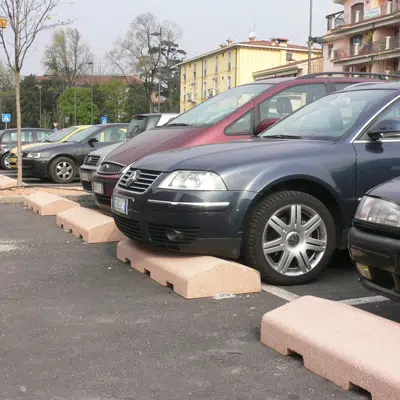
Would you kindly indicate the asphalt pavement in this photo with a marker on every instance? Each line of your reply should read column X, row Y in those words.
column 77, row 324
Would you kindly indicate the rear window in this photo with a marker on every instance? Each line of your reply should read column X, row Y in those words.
column 12, row 137
column 137, row 125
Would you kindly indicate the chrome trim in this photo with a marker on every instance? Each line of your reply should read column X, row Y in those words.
column 373, row 117
column 378, row 141
column 221, row 204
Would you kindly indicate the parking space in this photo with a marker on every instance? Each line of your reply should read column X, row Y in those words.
column 77, row 323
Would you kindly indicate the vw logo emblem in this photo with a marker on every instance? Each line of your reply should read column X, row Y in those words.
column 132, row 178
column 106, row 166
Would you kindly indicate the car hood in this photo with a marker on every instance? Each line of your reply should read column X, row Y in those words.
column 29, row 146
column 387, row 191
column 54, row 148
column 218, row 157
column 153, row 141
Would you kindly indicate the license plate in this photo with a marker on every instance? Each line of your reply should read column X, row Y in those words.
column 120, row 204
column 86, row 177
column 98, row 188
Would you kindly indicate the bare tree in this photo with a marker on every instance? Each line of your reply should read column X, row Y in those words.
column 27, row 18
column 67, row 56
column 136, row 53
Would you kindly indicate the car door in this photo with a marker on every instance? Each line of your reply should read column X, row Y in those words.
column 377, row 161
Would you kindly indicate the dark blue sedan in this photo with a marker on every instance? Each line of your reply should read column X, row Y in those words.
column 282, row 201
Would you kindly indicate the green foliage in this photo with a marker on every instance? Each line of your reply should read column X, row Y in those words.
column 110, row 99
column 30, row 102
column 136, row 102
column 83, row 105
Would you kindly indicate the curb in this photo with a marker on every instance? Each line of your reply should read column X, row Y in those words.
column 84, row 198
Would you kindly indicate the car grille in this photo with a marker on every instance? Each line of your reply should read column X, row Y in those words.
column 128, row 227
column 87, row 185
column 158, row 234
column 144, row 179
column 92, row 160
column 110, row 169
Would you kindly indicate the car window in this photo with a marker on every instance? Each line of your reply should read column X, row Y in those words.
column 10, row 137
column 112, row 134
column 291, row 99
column 42, row 135
column 137, row 125
column 332, row 116
column 343, row 85
column 242, row 126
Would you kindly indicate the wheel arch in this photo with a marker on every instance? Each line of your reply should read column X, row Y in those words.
column 306, row 184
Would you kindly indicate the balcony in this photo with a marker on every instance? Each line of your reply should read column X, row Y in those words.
column 380, row 46
column 339, row 20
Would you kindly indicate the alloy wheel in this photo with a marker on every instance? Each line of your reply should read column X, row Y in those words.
column 64, row 170
column 294, row 240
column 7, row 163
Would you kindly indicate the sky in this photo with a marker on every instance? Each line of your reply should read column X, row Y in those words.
column 205, row 24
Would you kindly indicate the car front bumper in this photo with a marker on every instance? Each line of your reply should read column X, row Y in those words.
column 36, row 167
column 108, row 183
column 86, row 176
column 192, row 222
column 377, row 261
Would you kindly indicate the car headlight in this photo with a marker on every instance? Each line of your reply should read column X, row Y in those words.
column 33, row 155
column 378, row 211
column 193, row 180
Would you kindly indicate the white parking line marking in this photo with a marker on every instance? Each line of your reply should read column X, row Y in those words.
column 277, row 291
column 365, row 300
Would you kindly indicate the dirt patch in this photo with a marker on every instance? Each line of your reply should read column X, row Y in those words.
column 16, row 192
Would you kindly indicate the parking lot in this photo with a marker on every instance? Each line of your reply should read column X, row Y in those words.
column 77, row 323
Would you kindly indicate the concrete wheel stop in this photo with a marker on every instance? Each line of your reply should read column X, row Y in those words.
column 48, row 204
column 6, row 182
column 92, row 226
column 346, row 345
column 191, row 277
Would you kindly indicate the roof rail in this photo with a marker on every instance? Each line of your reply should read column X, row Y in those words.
column 355, row 74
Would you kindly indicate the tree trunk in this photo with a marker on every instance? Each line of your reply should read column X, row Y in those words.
column 19, row 136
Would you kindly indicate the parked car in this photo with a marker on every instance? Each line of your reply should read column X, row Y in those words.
column 8, row 139
column 283, row 201
column 374, row 239
column 143, row 122
column 59, row 136
column 237, row 114
column 60, row 162
column 138, row 124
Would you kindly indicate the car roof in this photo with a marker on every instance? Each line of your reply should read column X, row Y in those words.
column 113, row 124
column 372, row 85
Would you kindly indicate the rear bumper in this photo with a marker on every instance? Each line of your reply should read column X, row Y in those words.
column 86, row 172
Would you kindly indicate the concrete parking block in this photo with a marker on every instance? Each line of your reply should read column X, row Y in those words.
column 346, row 345
column 48, row 204
column 190, row 276
column 92, row 226
column 6, row 182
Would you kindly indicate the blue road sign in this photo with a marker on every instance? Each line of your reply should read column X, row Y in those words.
column 104, row 120
column 6, row 118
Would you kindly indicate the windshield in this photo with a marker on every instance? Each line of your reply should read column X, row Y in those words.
column 136, row 126
column 330, row 117
column 219, row 107
column 84, row 134
column 60, row 135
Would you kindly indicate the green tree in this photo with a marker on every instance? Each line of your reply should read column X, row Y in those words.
column 83, row 105
column 111, row 98
column 7, row 91
column 136, row 102
column 30, row 109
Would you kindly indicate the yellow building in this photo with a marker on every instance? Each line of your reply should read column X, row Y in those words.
column 232, row 65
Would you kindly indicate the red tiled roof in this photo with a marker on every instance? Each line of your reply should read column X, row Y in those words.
column 293, row 63
column 270, row 43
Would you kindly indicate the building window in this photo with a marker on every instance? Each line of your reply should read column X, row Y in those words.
column 184, row 93
column 331, row 55
column 289, row 56
column 184, row 74
column 230, row 61
column 229, row 82
column 194, row 71
column 204, row 90
column 216, row 64
column 216, row 86
column 194, row 91
column 205, row 68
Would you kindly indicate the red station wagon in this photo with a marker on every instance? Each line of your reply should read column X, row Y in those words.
column 236, row 114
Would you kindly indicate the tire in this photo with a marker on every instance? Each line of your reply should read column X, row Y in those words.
column 292, row 251
column 4, row 163
column 59, row 175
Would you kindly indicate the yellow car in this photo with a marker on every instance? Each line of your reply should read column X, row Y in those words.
column 57, row 137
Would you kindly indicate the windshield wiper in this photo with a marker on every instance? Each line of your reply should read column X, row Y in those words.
column 178, row 124
column 282, row 137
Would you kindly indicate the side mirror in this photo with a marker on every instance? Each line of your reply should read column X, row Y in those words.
column 264, row 125
column 93, row 140
column 385, row 128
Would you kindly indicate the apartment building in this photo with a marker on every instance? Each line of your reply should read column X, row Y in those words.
column 363, row 37
column 233, row 64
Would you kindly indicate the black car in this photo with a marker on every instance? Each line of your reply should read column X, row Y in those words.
column 60, row 162
column 374, row 240
column 283, row 201
column 8, row 140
